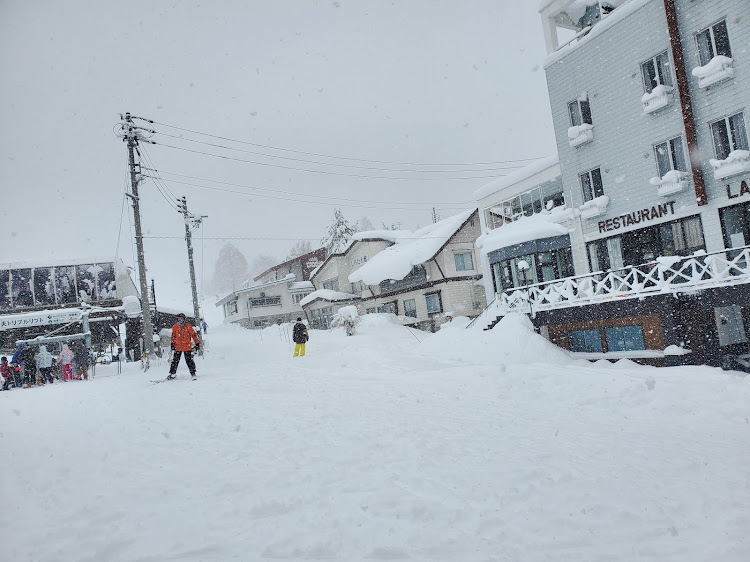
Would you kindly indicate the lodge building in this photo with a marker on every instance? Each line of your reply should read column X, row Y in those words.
column 650, row 101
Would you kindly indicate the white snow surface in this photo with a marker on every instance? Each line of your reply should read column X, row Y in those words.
column 397, row 261
column 387, row 235
column 329, row 295
column 734, row 156
column 540, row 225
column 516, row 177
column 716, row 64
column 391, row 445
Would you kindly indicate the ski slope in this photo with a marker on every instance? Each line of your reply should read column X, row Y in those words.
column 393, row 444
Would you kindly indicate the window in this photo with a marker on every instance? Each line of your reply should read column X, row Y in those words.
column 410, row 308
column 358, row 287
column 232, row 307
column 655, row 72
column 389, row 307
column 297, row 297
column 713, row 41
column 265, row 301
column 331, row 284
column 735, row 222
column 372, row 310
column 543, row 266
column 585, row 341
column 464, row 261
column 434, row 304
column 625, row 338
column 579, row 111
column 670, row 155
column 729, row 134
column 591, row 183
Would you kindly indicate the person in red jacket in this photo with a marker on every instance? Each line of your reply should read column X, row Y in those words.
column 183, row 336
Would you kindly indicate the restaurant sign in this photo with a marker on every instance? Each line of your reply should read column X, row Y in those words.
column 636, row 217
column 743, row 190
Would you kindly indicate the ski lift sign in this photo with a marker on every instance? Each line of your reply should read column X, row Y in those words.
column 41, row 318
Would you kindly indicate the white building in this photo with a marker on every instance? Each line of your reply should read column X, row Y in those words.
column 427, row 276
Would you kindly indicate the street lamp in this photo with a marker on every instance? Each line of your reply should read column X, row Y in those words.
column 523, row 267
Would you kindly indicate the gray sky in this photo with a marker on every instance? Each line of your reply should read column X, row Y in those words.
column 427, row 82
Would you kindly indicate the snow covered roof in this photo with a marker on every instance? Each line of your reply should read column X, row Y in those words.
column 524, row 173
column 398, row 260
column 387, row 235
column 537, row 226
column 301, row 286
column 289, row 278
column 328, row 295
column 319, row 254
column 57, row 262
column 624, row 9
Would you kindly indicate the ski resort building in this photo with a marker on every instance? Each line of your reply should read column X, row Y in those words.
column 273, row 296
column 426, row 277
column 650, row 103
column 37, row 298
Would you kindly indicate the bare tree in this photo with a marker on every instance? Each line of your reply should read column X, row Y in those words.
column 300, row 248
column 231, row 269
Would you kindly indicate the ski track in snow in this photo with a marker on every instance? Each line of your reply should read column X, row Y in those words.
column 367, row 449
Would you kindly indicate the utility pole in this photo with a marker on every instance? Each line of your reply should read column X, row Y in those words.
column 130, row 134
column 191, row 221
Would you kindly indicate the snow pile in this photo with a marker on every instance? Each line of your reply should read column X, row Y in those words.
column 658, row 92
column 578, row 130
column 594, row 207
column 518, row 176
column 673, row 176
column 387, row 235
column 512, row 341
column 540, row 225
column 736, row 156
column 348, row 312
column 397, row 261
column 327, row 295
column 717, row 64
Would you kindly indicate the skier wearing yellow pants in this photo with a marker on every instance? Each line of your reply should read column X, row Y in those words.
column 300, row 337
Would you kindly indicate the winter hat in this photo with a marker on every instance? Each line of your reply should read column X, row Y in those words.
column 4, row 359
column 299, row 319
column 180, row 315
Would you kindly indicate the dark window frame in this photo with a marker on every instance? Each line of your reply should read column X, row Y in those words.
column 661, row 75
column 592, row 190
column 709, row 34
column 440, row 303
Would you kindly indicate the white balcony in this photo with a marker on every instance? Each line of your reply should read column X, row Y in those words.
column 672, row 182
column 667, row 275
column 719, row 68
column 580, row 134
column 594, row 208
column 738, row 162
column 659, row 98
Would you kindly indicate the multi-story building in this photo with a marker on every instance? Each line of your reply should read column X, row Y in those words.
column 425, row 276
column 273, row 296
column 650, row 101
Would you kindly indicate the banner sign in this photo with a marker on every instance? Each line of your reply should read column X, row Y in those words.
column 39, row 318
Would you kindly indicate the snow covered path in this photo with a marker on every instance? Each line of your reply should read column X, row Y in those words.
column 369, row 448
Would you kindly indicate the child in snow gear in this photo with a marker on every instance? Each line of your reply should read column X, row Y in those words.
column 66, row 358
column 183, row 336
column 300, row 337
column 44, row 362
column 6, row 372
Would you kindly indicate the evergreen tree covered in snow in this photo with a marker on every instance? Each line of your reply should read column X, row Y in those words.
column 231, row 269
column 340, row 232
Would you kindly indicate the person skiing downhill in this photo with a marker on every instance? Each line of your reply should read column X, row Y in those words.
column 300, row 337
column 183, row 336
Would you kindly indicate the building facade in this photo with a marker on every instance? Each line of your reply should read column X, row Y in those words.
column 650, row 101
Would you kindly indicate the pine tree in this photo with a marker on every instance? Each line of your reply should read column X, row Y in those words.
column 339, row 233
column 231, row 269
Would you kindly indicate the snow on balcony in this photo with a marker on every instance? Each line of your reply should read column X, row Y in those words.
column 659, row 98
column 672, row 182
column 737, row 162
column 666, row 275
column 718, row 68
column 580, row 134
column 597, row 206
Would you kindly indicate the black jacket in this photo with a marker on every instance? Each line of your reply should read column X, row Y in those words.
column 299, row 335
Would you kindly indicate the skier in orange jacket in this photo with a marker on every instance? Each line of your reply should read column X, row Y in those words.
column 183, row 336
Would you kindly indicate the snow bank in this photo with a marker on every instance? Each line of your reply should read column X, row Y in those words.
column 397, row 261
column 328, row 295
column 512, row 341
column 537, row 226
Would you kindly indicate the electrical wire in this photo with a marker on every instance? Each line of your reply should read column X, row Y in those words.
column 314, row 202
column 326, row 172
column 167, row 198
column 150, row 162
column 339, row 157
column 306, row 161
column 272, row 238
column 292, row 193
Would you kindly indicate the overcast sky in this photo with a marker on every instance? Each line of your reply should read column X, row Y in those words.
column 343, row 89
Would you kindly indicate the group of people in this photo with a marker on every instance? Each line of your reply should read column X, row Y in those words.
column 29, row 367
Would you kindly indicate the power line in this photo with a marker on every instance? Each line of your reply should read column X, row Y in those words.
column 273, row 238
column 310, row 202
column 292, row 193
column 340, row 157
column 320, row 171
column 167, row 198
column 306, row 161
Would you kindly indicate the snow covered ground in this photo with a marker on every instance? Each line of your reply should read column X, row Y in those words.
column 392, row 444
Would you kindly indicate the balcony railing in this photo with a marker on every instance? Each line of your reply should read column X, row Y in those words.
column 580, row 134
column 718, row 69
column 666, row 275
column 659, row 98
column 738, row 162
